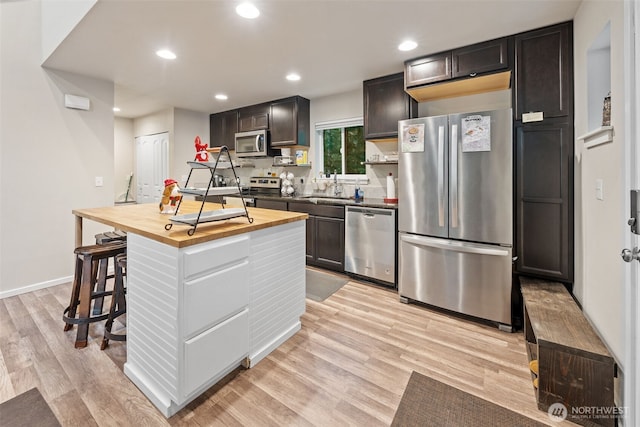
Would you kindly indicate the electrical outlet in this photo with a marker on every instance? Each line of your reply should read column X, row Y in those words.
column 99, row 182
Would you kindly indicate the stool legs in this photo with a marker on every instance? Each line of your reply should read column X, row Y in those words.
column 118, row 303
column 75, row 294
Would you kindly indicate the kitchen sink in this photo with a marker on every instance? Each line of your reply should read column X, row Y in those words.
column 314, row 199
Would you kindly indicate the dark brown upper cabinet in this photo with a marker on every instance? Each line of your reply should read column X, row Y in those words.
column 482, row 67
column 386, row 102
column 429, row 69
column 479, row 58
column 290, row 122
column 544, row 71
column 255, row 117
column 222, row 129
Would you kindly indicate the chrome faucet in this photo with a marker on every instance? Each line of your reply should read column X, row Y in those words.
column 336, row 189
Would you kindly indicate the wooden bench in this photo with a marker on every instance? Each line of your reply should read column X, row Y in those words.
column 575, row 368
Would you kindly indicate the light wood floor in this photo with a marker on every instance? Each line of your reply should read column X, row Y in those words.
column 348, row 365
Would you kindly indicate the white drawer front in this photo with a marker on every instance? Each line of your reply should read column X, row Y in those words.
column 214, row 255
column 210, row 353
column 215, row 297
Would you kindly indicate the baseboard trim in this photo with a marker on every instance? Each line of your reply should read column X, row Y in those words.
column 35, row 287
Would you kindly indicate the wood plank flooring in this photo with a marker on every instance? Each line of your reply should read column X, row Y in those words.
column 348, row 365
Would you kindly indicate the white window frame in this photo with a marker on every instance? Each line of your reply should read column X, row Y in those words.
column 319, row 155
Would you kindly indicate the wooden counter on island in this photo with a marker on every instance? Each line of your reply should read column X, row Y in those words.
column 200, row 306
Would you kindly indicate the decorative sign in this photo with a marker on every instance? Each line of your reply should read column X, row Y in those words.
column 412, row 138
column 476, row 133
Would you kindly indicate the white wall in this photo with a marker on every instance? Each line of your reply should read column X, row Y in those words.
column 59, row 18
column 187, row 125
column 49, row 155
column 123, row 153
column 599, row 279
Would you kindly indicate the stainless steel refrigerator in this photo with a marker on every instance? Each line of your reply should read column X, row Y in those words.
column 455, row 232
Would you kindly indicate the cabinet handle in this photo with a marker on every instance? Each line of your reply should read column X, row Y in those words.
column 473, row 74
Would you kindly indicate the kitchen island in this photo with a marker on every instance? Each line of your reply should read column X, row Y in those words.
column 200, row 306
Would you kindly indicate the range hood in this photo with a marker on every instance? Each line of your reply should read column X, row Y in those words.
column 462, row 87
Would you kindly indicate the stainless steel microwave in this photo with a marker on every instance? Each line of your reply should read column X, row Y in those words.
column 252, row 144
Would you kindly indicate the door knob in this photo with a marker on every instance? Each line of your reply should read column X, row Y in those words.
column 629, row 255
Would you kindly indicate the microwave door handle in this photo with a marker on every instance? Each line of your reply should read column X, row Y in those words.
column 258, row 144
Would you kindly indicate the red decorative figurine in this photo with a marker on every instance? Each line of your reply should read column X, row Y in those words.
column 201, row 151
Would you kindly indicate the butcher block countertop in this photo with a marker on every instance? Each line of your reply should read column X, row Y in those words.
column 147, row 221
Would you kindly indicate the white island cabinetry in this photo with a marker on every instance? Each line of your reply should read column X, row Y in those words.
column 196, row 313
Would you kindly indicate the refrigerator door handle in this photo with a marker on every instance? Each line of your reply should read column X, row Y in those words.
column 441, row 176
column 454, row 176
column 453, row 246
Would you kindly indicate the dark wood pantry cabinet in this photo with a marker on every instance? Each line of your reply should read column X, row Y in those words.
column 384, row 103
column 543, row 153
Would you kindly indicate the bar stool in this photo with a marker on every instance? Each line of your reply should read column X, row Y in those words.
column 103, row 264
column 118, row 302
column 84, row 288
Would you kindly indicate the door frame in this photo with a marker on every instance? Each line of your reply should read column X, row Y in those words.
column 631, row 271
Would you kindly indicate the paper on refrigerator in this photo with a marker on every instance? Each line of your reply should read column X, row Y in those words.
column 412, row 138
column 476, row 133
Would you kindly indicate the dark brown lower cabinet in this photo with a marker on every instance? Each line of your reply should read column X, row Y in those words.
column 271, row 204
column 325, row 234
column 544, row 199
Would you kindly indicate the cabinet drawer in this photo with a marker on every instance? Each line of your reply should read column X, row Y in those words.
column 200, row 259
column 318, row 210
column 209, row 354
column 209, row 299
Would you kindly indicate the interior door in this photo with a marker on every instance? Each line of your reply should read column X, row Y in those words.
column 631, row 240
column 152, row 166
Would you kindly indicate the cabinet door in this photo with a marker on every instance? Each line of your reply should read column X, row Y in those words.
column 223, row 127
column 544, row 199
column 480, row 58
column 213, row 351
column 283, row 122
column 430, row 69
column 386, row 102
column 329, row 243
column 255, row 117
column 543, row 72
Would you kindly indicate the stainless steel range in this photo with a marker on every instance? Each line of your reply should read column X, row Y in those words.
column 258, row 186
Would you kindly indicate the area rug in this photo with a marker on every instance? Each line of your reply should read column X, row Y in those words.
column 27, row 410
column 321, row 285
column 427, row 402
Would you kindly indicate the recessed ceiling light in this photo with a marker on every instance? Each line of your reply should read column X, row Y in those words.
column 407, row 45
column 293, row 77
column 221, row 97
column 247, row 10
column 166, row 54
column 116, row 109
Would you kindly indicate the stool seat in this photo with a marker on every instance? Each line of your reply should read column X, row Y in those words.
column 84, row 287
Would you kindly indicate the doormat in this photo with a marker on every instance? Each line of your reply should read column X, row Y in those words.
column 321, row 286
column 27, row 410
column 427, row 402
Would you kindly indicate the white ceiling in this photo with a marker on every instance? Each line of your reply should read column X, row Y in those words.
column 333, row 44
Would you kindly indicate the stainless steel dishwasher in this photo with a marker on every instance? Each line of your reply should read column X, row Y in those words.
column 370, row 243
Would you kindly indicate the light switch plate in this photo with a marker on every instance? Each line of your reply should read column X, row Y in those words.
column 599, row 189
column 99, row 181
